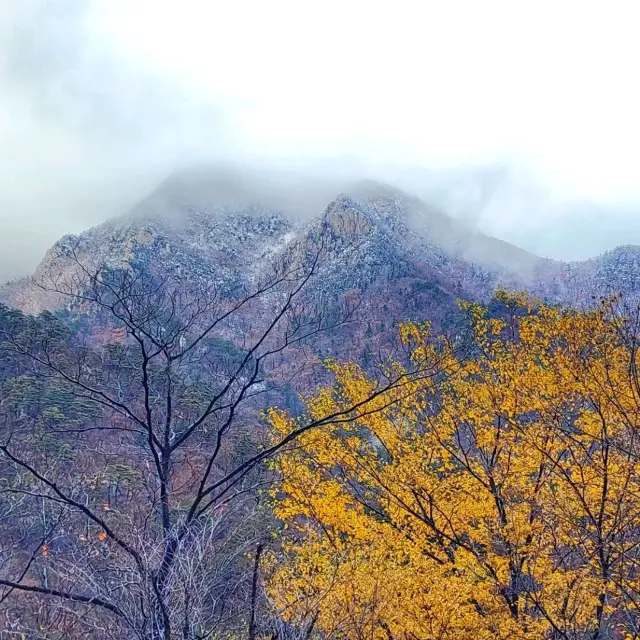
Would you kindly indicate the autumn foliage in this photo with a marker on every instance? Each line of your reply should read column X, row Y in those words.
column 498, row 500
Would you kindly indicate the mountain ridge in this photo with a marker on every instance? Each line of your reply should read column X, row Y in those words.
column 203, row 227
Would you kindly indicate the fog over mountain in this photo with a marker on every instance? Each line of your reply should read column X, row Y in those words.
column 523, row 123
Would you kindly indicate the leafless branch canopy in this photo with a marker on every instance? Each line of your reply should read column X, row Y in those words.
column 140, row 454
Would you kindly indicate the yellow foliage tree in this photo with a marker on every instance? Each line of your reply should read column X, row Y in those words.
column 499, row 502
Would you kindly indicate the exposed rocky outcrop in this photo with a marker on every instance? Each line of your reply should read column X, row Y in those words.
column 395, row 249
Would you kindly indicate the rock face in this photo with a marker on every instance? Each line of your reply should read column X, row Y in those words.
column 407, row 259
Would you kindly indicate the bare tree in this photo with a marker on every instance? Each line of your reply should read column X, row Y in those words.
column 145, row 468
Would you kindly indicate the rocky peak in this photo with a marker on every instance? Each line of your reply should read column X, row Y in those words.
column 374, row 237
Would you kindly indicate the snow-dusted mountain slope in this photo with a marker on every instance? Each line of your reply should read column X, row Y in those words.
column 391, row 246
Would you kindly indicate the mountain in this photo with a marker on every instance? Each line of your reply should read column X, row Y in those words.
column 406, row 258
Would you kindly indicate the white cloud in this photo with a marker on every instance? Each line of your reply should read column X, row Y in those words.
column 102, row 97
column 549, row 84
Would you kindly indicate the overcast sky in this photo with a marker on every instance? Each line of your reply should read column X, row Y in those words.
column 520, row 116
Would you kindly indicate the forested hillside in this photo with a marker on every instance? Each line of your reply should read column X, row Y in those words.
column 221, row 422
